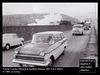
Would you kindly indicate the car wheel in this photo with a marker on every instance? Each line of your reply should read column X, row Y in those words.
column 21, row 65
column 82, row 33
column 72, row 34
column 22, row 42
column 50, row 64
column 63, row 51
column 7, row 47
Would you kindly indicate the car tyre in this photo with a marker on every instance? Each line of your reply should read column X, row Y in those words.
column 63, row 51
column 21, row 65
column 22, row 42
column 82, row 33
column 50, row 64
column 7, row 47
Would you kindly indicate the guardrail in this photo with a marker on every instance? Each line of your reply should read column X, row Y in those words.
column 91, row 51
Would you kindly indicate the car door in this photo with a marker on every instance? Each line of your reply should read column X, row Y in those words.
column 53, row 49
column 16, row 40
column 58, row 46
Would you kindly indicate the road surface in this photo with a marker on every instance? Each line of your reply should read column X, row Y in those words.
column 73, row 53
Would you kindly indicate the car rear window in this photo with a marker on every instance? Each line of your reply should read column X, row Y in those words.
column 77, row 26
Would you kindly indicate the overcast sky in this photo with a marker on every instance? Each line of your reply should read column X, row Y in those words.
column 78, row 10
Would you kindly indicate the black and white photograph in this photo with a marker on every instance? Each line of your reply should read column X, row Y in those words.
column 49, row 34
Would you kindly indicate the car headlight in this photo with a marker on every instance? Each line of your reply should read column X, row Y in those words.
column 16, row 52
column 42, row 54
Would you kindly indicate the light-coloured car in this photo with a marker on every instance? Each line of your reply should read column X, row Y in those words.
column 11, row 39
column 87, row 25
column 44, row 48
column 77, row 29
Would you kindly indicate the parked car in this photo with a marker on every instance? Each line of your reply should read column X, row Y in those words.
column 11, row 39
column 77, row 29
column 87, row 25
column 44, row 48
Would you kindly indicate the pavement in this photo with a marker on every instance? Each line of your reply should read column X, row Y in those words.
column 91, row 51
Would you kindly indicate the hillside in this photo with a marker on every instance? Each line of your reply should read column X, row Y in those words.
column 24, row 19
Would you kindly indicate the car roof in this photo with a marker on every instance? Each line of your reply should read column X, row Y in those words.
column 50, row 32
column 9, row 34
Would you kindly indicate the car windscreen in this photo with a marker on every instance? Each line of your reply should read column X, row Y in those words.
column 42, row 39
column 77, row 26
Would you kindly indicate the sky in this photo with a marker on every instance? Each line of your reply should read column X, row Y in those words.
column 77, row 10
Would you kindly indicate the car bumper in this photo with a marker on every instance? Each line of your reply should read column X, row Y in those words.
column 34, row 63
column 3, row 46
column 86, row 29
column 77, row 32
